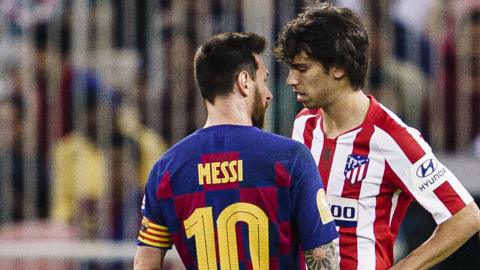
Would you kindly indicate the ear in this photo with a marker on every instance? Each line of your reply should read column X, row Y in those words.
column 337, row 72
column 242, row 82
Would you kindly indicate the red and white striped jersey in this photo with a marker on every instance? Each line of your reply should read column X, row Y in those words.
column 371, row 174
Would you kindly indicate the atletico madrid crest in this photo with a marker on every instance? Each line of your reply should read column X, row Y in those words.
column 356, row 168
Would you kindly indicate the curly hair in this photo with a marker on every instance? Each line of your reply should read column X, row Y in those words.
column 331, row 35
column 219, row 60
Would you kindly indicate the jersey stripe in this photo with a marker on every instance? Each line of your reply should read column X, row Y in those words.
column 385, row 207
column 308, row 131
column 299, row 127
column 370, row 192
column 348, row 236
column 384, row 189
column 403, row 135
column 449, row 198
column 326, row 159
column 317, row 144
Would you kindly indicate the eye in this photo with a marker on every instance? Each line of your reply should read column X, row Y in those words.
column 299, row 67
column 302, row 69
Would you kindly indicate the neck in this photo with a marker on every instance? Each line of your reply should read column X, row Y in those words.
column 228, row 112
column 345, row 113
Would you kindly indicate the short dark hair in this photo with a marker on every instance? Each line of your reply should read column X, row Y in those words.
column 331, row 35
column 219, row 60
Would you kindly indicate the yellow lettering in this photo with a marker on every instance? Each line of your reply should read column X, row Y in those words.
column 204, row 174
column 233, row 170
column 209, row 173
column 240, row 170
column 215, row 173
column 226, row 176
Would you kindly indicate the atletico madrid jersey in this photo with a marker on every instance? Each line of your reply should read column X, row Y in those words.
column 236, row 197
column 371, row 174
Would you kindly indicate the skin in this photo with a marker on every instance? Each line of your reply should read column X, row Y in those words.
column 324, row 257
column 239, row 107
column 246, row 105
column 344, row 108
column 149, row 258
column 447, row 237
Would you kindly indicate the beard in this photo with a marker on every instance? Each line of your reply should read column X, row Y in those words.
column 258, row 110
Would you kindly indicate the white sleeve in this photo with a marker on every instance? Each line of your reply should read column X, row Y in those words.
column 432, row 184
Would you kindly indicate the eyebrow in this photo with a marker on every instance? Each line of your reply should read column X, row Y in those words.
column 298, row 65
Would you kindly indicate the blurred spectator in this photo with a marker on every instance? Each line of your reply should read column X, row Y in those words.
column 151, row 144
column 43, row 120
column 395, row 81
column 473, row 61
column 12, row 175
column 15, row 157
column 79, row 172
column 96, row 168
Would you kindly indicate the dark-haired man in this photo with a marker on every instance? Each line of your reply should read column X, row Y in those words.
column 371, row 163
column 231, row 196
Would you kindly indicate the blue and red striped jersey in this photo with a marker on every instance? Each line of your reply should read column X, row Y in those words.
column 236, row 196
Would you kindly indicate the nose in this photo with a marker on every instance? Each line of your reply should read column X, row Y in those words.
column 292, row 78
column 269, row 94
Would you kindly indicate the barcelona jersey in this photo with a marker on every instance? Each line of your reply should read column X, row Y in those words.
column 236, row 197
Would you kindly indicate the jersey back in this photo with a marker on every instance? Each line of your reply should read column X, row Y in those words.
column 236, row 197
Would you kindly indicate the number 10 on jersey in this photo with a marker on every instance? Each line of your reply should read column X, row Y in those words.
column 200, row 225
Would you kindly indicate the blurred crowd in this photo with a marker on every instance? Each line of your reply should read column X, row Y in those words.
column 92, row 92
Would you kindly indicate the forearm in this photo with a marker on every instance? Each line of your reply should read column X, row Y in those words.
column 148, row 258
column 447, row 238
column 324, row 257
column 141, row 266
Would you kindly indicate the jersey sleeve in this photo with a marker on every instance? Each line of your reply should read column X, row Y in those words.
column 153, row 231
column 423, row 176
column 310, row 209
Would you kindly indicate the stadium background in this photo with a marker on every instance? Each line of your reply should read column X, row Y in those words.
column 93, row 91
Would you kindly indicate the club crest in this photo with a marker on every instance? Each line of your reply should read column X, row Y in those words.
column 356, row 168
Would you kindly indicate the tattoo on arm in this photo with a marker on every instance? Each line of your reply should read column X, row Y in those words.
column 322, row 258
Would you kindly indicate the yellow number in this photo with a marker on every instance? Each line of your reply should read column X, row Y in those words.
column 325, row 214
column 257, row 222
column 200, row 225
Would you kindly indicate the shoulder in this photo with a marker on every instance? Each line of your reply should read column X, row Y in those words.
column 281, row 142
column 392, row 133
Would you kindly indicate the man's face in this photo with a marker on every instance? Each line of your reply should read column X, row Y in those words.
column 262, row 94
column 314, row 87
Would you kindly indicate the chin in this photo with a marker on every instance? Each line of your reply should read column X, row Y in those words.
column 310, row 105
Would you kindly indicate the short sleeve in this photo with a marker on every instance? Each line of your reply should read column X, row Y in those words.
column 310, row 209
column 154, row 231
column 436, row 188
column 419, row 173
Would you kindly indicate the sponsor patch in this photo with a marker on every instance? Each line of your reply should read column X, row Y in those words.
column 429, row 172
column 344, row 211
column 427, row 168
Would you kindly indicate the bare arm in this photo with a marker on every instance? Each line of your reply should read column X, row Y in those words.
column 324, row 257
column 149, row 258
column 446, row 238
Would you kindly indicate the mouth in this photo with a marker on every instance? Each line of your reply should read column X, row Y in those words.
column 300, row 95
